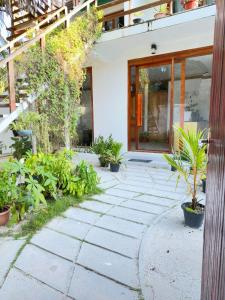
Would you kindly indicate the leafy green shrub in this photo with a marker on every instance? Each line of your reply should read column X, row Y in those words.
column 25, row 121
column 101, row 147
column 114, row 153
column 34, row 182
column 20, row 146
column 8, row 189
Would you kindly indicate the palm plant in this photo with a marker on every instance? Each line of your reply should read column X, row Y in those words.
column 194, row 154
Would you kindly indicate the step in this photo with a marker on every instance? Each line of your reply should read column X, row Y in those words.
column 21, row 18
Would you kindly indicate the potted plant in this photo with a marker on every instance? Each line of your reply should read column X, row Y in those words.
column 8, row 193
column 24, row 125
column 137, row 19
column 163, row 11
column 196, row 160
column 115, row 157
column 189, row 4
column 101, row 147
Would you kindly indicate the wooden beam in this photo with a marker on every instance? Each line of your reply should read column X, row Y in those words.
column 136, row 9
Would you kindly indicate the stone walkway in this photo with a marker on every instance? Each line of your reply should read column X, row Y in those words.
column 92, row 252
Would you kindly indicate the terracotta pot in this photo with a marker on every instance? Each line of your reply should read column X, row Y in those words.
column 160, row 15
column 4, row 216
column 191, row 4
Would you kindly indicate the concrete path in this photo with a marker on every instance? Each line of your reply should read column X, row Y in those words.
column 92, row 252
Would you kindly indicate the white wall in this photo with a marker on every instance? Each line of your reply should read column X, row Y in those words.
column 109, row 61
column 110, row 104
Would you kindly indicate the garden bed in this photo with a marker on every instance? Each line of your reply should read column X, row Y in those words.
column 41, row 186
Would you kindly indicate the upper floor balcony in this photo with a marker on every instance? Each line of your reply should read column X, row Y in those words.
column 123, row 18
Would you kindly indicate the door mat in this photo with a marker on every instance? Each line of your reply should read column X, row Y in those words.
column 140, row 160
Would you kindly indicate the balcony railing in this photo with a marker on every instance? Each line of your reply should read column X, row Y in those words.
column 125, row 15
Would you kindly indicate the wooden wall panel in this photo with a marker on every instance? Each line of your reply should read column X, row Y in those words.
column 213, row 271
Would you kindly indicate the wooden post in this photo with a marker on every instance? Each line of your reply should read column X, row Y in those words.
column 42, row 43
column 11, row 85
column 213, row 271
column 67, row 23
column 182, row 93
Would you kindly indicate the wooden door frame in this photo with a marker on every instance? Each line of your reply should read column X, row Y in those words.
column 171, row 59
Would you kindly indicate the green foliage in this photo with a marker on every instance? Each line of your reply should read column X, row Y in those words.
column 101, row 147
column 194, row 166
column 8, row 189
column 34, row 182
column 114, row 153
column 107, row 149
column 20, row 146
column 56, row 77
column 25, row 121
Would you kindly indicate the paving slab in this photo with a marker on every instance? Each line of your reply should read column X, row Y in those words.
column 113, row 241
column 121, row 226
column 121, row 193
column 18, row 286
column 82, row 215
column 57, row 243
column 109, row 264
column 108, row 184
column 131, row 215
column 114, row 200
column 96, row 206
column 156, row 200
column 70, row 227
column 8, row 251
column 87, row 285
column 168, row 268
column 46, row 267
column 145, row 207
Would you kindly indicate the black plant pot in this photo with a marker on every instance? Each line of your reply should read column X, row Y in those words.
column 173, row 169
column 193, row 219
column 103, row 162
column 114, row 167
column 15, row 133
column 137, row 20
column 204, row 185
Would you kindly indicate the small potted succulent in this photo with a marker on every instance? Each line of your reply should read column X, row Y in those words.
column 115, row 157
column 8, row 193
column 101, row 146
column 191, row 170
column 190, row 4
column 24, row 125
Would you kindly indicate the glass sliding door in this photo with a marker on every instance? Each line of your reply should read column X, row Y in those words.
column 167, row 92
column 198, row 74
column 149, row 108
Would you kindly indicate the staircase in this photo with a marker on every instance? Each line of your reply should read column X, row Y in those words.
column 27, row 29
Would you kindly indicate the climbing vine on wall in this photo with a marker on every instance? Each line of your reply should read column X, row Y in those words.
column 57, row 74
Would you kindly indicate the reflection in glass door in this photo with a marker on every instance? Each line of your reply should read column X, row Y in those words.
column 152, row 108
